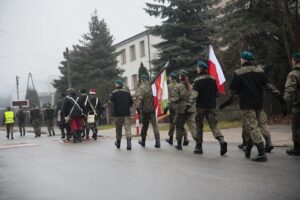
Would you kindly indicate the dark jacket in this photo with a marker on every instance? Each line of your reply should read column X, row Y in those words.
column 249, row 83
column 92, row 104
column 68, row 104
column 35, row 114
column 49, row 114
column 206, row 90
column 122, row 101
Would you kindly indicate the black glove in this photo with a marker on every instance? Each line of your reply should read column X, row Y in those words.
column 138, row 111
column 187, row 107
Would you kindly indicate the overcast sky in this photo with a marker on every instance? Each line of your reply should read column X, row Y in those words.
column 34, row 33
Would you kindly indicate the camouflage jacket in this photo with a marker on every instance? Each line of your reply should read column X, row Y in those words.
column 35, row 114
column 171, row 87
column 180, row 96
column 292, row 88
column 144, row 98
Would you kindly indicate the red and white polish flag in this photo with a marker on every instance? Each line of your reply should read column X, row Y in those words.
column 215, row 70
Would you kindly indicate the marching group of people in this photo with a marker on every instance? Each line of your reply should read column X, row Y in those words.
column 188, row 105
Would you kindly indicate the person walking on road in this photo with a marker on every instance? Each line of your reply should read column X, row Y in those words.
column 172, row 110
column 73, row 111
column 49, row 116
column 204, row 94
column 145, row 107
column 36, row 120
column 122, row 101
column 8, row 121
column 292, row 97
column 249, row 83
column 21, row 118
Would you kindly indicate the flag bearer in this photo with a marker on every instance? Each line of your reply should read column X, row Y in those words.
column 145, row 107
column 204, row 93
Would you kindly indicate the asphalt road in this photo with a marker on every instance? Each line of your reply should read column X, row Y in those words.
column 49, row 169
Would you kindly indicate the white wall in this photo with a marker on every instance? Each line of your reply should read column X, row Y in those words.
column 131, row 67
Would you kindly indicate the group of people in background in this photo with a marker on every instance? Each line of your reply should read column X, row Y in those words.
column 188, row 105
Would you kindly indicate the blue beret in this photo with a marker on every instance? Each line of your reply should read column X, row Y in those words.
column 119, row 82
column 144, row 77
column 296, row 55
column 202, row 64
column 184, row 72
column 246, row 55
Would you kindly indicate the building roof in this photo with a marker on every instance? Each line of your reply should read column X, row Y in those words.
column 128, row 40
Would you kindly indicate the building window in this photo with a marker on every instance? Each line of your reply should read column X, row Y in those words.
column 132, row 53
column 123, row 56
column 125, row 81
column 142, row 49
column 134, row 81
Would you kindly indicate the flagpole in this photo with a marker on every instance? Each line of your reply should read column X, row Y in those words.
column 160, row 71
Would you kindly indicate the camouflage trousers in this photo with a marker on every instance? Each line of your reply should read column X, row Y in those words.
column 251, row 119
column 296, row 127
column 146, row 118
column 36, row 124
column 21, row 127
column 262, row 125
column 9, row 128
column 50, row 126
column 172, row 125
column 120, row 122
column 189, row 120
column 212, row 120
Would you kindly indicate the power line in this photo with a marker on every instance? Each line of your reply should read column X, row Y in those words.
column 26, row 39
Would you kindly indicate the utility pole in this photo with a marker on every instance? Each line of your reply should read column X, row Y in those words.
column 68, row 69
column 17, row 80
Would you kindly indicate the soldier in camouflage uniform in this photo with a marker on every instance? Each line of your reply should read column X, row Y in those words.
column 36, row 120
column 49, row 115
column 292, row 97
column 263, row 126
column 204, row 94
column 122, row 101
column 184, row 114
column 248, row 83
column 171, row 109
column 21, row 118
column 145, row 107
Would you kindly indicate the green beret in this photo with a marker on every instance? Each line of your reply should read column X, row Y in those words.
column 183, row 72
column 202, row 64
column 246, row 55
column 119, row 82
column 296, row 55
column 144, row 77
column 173, row 75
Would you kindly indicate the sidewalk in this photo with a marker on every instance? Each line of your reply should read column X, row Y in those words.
column 281, row 134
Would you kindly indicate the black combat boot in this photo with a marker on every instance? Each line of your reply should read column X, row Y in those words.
column 118, row 143
column 248, row 149
column 243, row 145
column 128, row 143
column 94, row 136
column 12, row 136
column 7, row 136
column 142, row 142
column 294, row 151
column 75, row 137
column 269, row 145
column 223, row 146
column 157, row 143
column 198, row 148
column 170, row 140
column 261, row 157
column 179, row 145
column 185, row 142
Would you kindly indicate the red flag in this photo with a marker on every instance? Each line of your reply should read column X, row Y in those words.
column 215, row 70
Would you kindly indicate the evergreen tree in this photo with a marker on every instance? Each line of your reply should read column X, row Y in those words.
column 93, row 62
column 32, row 96
column 186, row 30
column 142, row 70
